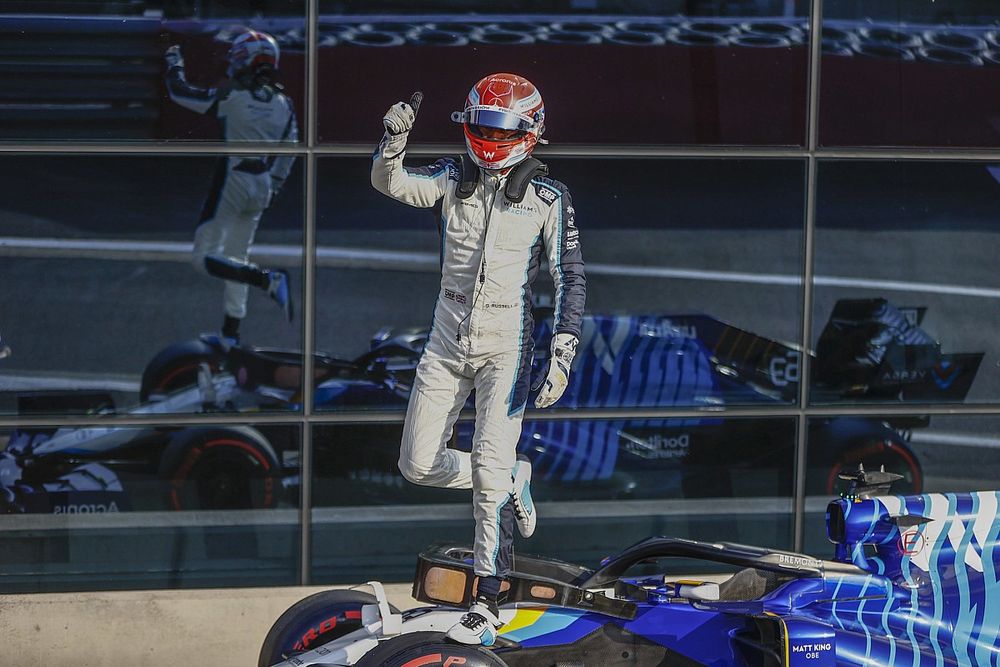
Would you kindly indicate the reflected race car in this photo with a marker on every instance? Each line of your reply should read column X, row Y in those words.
column 868, row 350
column 880, row 353
column 913, row 581
column 100, row 469
column 622, row 361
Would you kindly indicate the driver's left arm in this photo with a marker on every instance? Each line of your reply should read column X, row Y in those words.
column 562, row 245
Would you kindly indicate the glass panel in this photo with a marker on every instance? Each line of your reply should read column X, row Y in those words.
column 601, row 485
column 92, row 508
column 898, row 73
column 96, row 77
column 934, row 454
column 905, row 290
column 693, row 274
column 663, row 73
column 97, row 256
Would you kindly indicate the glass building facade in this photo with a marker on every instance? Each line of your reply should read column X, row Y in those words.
column 787, row 210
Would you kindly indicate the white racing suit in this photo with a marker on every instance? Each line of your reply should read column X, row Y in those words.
column 480, row 338
column 243, row 186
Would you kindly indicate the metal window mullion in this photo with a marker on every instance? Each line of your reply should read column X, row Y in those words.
column 802, row 426
column 632, row 151
column 618, row 414
column 153, row 149
column 582, row 414
column 308, row 302
column 812, row 144
column 308, row 387
column 602, row 151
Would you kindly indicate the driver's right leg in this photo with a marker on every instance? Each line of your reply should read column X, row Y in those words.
column 439, row 394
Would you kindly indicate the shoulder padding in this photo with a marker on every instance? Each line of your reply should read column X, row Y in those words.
column 520, row 176
column 468, row 177
column 517, row 180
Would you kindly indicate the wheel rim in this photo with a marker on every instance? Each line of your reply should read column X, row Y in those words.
column 182, row 376
column 223, row 474
column 872, row 456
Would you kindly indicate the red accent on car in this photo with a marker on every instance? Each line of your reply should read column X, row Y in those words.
column 177, row 481
column 433, row 659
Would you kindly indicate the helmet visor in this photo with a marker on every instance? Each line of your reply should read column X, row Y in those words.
column 494, row 133
column 498, row 118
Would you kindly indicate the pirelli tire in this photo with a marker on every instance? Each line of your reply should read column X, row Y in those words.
column 176, row 367
column 313, row 621
column 428, row 649
column 873, row 454
column 840, row 444
column 220, row 468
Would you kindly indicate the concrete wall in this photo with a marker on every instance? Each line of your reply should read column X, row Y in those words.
column 221, row 628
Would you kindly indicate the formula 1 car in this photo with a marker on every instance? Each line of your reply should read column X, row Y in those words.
column 868, row 350
column 913, row 581
column 879, row 352
column 622, row 361
column 100, row 469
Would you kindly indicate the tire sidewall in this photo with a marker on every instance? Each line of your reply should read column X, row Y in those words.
column 169, row 368
column 873, row 454
column 405, row 649
column 187, row 447
column 313, row 621
column 841, row 443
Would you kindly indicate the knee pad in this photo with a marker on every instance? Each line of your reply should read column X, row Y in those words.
column 412, row 472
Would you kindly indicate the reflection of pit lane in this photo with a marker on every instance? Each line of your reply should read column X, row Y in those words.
column 66, row 382
column 459, row 512
column 954, row 459
column 395, row 260
column 354, row 288
column 954, row 440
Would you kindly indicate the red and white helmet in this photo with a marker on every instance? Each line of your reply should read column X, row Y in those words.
column 251, row 50
column 504, row 118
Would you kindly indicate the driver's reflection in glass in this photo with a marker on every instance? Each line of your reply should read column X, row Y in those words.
column 250, row 106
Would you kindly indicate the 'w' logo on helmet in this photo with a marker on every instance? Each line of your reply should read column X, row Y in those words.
column 499, row 94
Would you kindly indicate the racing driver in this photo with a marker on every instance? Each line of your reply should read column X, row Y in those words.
column 500, row 217
column 251, row 107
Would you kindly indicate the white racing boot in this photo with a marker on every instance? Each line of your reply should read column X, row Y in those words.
column 478, row 626
column 524, row 507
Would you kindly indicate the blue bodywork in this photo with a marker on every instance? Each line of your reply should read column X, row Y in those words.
column 933, row 564
column 915, row 583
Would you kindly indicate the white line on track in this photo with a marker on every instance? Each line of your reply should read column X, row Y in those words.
column 954, row 440
column 554, row 512
column 26, row 382
column 401, row 260
column 411, row 514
